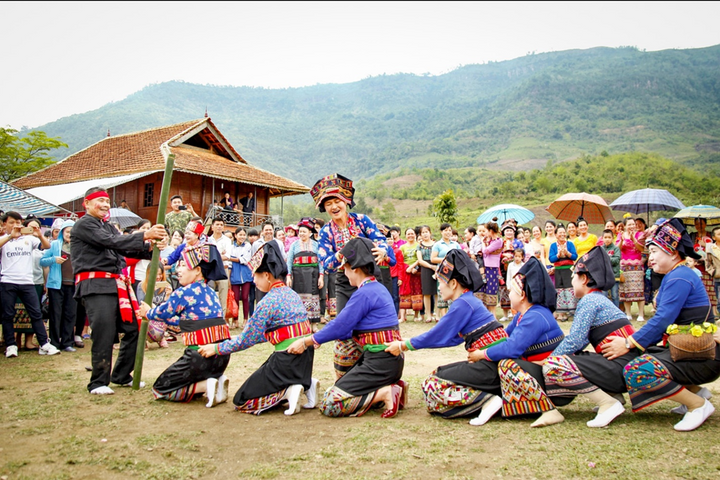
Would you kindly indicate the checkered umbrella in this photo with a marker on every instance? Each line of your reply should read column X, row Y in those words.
column 647, row 200
column 708, row 212
column 570, row 206
column 125, row 218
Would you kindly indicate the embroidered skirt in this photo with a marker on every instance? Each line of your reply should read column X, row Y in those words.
column 584, row 372
column 490, row 290
column 461, row 389
column 353, row 394
column 633, row 288
column 566, row 301
column 709, row 284
column 305, row 283
column 345, row 355
column 654, row 376
column 523, row 389
column 177, row 382
column 265, row 388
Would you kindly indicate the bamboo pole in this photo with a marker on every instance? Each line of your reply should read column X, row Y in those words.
column 153, row 268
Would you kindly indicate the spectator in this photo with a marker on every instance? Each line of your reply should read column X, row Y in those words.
column 633, row 270
column 563, row 256
column 224, row 245
column 439, row 250
column 584, row 242
column 248, row 208
column 240, row 275
column 613, row 252
column 163, row 289
column 291, row 236
column 123, row 204
column 16, row 251
column 180, row 215
column 427, row 272
column 252, row 237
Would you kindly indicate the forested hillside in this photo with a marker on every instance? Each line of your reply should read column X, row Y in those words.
column 512, row 115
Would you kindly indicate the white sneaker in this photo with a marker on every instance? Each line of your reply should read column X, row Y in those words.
column 48, row 349
column 617, row 396
column 69, row 349
column 292, row 395
column 223, row 386
column 211, row 392
column 129, row 384
column 504, row 319
column 629, row 317
column 695, row 418
column 104, row 390
column 603, row 419
column 11, row 351
column 312, row 394
column 490, row 408
column 641, row 319
column 682, row 409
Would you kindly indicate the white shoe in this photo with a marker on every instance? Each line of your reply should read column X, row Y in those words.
column 129, row 384
column 504, row 319
column 211, row 392
column 11, row 351
column 104, row 390
column 292, row 395
column 311, row 394
column 617, row 396
column 48, row 349
column 695, row 418
column 603, row 419
column 223, row 386
column 641, row 319
column 490, row 408
column 629, row 317
column 682, row 409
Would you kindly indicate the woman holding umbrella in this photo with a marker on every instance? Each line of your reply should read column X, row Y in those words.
column 633, row 269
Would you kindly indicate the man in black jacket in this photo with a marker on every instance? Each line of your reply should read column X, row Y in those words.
column 98, row 252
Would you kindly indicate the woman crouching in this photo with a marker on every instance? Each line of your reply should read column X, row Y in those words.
column 370, row 319
column 196, row 308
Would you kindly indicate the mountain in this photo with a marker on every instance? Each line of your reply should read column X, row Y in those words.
column 512, row 115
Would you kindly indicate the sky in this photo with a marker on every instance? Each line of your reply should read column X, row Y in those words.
column 64, row 58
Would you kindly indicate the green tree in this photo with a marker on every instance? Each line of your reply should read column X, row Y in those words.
column 445, row 207
column 388, row 213
column 20, row 156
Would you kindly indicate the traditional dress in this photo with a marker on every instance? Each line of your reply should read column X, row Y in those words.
column 633, row 268
column 196, row 310
column 280, row 318
column 681, row 300
column 411, row 282
column 303, row 265
column 370, row 321
column 491, row 259
column 563, row 277
column 506, row 258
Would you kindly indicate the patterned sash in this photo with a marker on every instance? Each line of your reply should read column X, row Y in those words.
column 487, row 338
column 287, row 332
column 305, row 260
column 126, row 296
column 376, row 337
column 204, row 332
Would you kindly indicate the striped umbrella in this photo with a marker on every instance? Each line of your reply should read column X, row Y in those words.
column 505, row 211
column 647, row 200
column 570, row 206
column 708, row 212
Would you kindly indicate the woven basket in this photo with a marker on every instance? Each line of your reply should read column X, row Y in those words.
column 685, row 346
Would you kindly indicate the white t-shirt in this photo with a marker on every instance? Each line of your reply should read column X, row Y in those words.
column 17, row 260
column 223, row 245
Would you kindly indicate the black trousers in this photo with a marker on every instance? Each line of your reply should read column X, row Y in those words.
column 104, row 314
column 63, row 309
column 80, row 317
column 343, row 290
column 27, row 294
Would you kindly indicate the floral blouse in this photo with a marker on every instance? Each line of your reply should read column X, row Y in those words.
column 332, row 239
column 196, row 301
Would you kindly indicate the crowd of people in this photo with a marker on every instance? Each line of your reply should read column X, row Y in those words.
column 352, row 282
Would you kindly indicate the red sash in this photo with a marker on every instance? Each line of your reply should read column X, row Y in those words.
column 126, row 296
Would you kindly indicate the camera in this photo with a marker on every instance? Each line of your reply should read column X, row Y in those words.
column 182, row 207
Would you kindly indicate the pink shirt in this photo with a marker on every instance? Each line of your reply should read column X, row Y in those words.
column 489, row 259
column 628, row 250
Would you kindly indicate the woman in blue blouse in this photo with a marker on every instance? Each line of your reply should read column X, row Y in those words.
column 334, row 194
column 370, row 320
column 439, row 250
column 563, row 255
column 279, row 318
column 196, row 309
column 681, row 300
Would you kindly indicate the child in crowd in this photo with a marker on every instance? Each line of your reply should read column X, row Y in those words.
column 613, row 251
column 156, row 329
column 690, row 262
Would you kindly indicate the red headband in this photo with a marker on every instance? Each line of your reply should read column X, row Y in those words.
column 95, row 195
column 199, row 229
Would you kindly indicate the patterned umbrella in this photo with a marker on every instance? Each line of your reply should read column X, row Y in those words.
column 505, row 211
column 647, row 200
column 570, row 206
column 708, row 212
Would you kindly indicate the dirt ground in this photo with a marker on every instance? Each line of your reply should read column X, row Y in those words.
column 52, row 428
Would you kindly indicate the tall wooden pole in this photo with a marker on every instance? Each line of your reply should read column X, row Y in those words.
column 153, row 268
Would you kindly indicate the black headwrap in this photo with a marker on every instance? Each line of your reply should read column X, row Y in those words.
column 358, row 253
column 208, row 258
column 269, row 258
column 534, row 280
column 596, row 265
column 458, row 265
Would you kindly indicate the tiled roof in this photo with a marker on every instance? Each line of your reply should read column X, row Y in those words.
column 140, row 151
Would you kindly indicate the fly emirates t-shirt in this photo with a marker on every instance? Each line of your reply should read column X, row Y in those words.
column 17, row 260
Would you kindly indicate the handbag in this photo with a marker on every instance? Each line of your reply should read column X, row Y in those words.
column 232, row 306
column 405, row 302
column 417, row 302
column 685, row 346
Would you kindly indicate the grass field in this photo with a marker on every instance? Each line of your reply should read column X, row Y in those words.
column 53, row 429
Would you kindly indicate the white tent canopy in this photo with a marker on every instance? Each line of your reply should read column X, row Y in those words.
column 67, row 192
column 17, row 200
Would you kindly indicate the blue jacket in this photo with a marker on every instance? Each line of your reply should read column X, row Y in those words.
column 48, row 259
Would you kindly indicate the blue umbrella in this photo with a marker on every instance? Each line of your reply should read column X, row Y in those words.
column 505, row 211
column 647, row 200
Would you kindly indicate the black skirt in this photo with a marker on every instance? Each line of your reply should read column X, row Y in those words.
column 385, row 278
column 429, row 284
column 688, row 372
column 371, row 372
column 606, row 374
column 482, row 375
column 189, row 369
column 279, row 371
